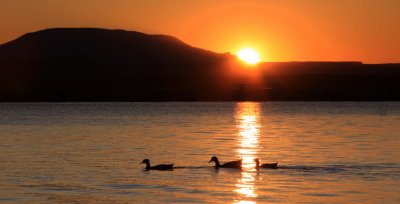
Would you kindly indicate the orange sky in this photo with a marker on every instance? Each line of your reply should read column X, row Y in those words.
column 287, row 30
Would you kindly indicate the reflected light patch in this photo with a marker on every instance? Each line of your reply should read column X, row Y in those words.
column 248, row 126
column 246, row 202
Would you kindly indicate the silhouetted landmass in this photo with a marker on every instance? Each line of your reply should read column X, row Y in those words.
column 87, row 64
column 106, row 65
column 337, row 81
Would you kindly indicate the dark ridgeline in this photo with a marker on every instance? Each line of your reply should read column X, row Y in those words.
column 106, row 65
column 336, row 81
column 87, row 64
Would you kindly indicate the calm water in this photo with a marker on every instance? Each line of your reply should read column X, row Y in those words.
column 90, row 152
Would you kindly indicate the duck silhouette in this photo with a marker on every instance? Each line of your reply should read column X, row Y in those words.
column 157, row 167
column 232, row 164
column 268, row 165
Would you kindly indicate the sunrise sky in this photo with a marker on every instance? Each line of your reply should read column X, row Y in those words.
column 291, row 30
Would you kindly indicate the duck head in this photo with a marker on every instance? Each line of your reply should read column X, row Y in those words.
column 257, row 160
column 213, row 159
column 145, row 161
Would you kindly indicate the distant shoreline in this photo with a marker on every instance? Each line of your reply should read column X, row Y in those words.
column 100, row 65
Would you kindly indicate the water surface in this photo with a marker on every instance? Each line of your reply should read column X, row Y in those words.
column 90, row 152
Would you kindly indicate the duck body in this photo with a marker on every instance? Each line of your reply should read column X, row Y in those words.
column 270, row 165
column 232, row 164
column 267, row 165
column 157, row 167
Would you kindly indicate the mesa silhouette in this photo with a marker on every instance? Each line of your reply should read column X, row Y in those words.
column 90, row 64
column 87, row 64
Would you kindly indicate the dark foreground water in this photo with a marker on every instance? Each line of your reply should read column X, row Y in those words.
column 90, row 152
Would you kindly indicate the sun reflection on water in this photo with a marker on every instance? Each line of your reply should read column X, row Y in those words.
column 248, row 125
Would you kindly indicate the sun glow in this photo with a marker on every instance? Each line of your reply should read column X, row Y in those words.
column 249, row 56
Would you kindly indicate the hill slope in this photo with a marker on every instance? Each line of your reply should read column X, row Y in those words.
column 99, row 64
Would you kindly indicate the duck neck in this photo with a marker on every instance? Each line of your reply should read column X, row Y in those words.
column 257, row 164
column 217, row 164
column 148, row 165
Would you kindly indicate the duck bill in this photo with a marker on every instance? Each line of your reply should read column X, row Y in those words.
column 141, row 162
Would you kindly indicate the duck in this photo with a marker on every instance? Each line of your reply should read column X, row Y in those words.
column 157, row 167
column 232, row 164
column 268, row 165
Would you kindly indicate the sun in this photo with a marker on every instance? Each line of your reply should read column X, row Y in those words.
column 249, row 56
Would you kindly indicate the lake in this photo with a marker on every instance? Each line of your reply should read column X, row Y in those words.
column 328, row 152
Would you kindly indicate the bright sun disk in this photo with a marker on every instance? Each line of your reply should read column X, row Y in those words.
column 249, row 56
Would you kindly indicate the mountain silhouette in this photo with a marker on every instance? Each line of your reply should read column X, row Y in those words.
column 102, row 46
column 99, row 64
column 91, row 64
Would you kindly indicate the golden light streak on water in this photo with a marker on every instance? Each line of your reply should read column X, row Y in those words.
column 248, row 126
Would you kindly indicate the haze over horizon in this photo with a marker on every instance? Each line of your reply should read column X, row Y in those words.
column 280, row 31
